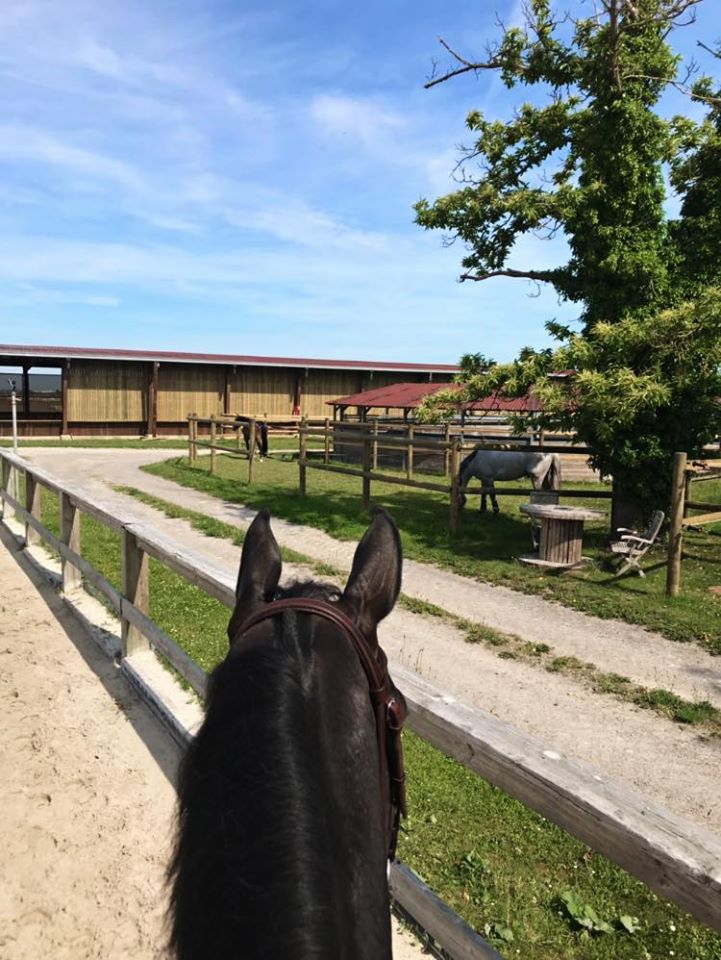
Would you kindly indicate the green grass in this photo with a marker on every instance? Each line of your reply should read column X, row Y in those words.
column 499, row 865
column 486, row 547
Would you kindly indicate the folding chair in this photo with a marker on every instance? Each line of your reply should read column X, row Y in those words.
column 540, row 496
column 633, row 546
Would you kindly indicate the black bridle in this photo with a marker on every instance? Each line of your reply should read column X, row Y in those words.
column 389, row 713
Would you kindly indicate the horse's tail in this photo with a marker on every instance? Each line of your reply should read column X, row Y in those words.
column 552, row 480
column 263, row 427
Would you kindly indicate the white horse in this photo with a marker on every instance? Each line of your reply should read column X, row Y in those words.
column 544, row 469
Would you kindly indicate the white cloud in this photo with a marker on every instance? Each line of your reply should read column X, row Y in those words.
column 355, row 117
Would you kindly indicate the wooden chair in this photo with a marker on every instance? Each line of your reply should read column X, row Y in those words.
column 540, row 496
column 633, row 546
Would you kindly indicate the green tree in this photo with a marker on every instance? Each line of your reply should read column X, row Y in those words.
column 589, row 164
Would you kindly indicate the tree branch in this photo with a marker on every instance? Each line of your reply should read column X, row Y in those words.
column 466, row 66
column 682, row 87
column 541, row 275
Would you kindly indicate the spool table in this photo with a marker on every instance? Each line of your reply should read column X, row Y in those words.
column 561, row 540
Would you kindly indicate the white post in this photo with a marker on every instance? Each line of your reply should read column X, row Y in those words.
column 14, row 404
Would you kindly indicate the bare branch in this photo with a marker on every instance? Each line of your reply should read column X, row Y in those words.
column 714, row 53
column 682, row 87
column 539, row 275
column 467, row 66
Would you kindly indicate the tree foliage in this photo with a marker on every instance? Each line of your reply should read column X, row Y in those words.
column 589, row 163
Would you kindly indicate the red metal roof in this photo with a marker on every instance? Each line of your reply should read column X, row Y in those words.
column 410, row 395
column 395, row 395
column 91, row 353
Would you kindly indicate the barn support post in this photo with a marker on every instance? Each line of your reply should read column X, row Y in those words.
column 32, row 505
column 251, row 449
column 152, row 428
column 70, row 535
column 226, row 392
column 409, row 459
column 375, row 443
column 135, row 587
column 366, row 470
column 455, row 484
column 301, row 457
column 64, row 381
column 675, row 533
column 26, row 391
column 212, row 443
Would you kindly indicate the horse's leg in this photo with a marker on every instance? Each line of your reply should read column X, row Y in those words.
column 483, row 503
column 494, row 502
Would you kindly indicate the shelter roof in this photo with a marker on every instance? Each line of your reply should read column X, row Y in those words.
column 23, row 352
column 409, row 396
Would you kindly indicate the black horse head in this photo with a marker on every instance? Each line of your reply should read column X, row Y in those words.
column 281, row 847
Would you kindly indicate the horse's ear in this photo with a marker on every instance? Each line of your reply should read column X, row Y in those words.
column 260, row 566
column 375, row 579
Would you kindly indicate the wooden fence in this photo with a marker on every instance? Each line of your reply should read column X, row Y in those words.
column 370, row 440
column 684, row 475
column 676, row 859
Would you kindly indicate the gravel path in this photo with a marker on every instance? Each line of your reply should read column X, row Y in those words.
column 670, row 762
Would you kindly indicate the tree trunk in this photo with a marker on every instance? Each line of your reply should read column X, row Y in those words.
column 626, row 511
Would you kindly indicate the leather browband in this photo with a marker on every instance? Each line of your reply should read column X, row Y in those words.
column 387, row 710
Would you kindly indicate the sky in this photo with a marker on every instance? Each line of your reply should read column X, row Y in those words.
column 231, row 177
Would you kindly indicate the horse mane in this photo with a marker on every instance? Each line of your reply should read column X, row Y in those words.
column 247, row 795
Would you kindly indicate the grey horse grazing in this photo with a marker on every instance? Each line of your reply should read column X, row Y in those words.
column 544, row 469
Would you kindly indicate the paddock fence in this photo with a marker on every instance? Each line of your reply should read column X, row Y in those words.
column 367, row 443
column 684, row 475
column 676, row 859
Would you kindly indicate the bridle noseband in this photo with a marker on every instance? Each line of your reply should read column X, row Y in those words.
column 389, row 714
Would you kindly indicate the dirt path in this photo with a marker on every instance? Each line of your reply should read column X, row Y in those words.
column 671, row 763
column 86, row 792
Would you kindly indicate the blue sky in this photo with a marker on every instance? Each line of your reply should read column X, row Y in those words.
column 239, row 178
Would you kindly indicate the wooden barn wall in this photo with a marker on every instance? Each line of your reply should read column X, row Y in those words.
column 261, row 390
column 184, row 388
column 107, row 391
column 323, row 385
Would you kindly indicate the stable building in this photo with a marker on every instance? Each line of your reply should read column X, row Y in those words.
column 79, row 391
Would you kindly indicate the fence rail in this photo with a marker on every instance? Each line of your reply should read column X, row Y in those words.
column 676, row 859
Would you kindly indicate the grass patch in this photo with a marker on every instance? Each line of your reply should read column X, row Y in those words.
column 515, row 877
column 486, row 546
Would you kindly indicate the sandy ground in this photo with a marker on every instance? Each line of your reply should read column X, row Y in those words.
column 671, row 763
column 86, row 793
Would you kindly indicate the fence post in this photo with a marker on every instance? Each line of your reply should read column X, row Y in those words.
column 10, row 480
column 212, row 443
column 301, row 457
column 447, row 451
column 366, row 462
column 675, row 533
column 70, row 535
column 4, row 482
column 135, row 587
column 409, row 457
column 326, row 451
column 251, row 449
column 375, row 444
column 32, row 505
column 455, row 484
